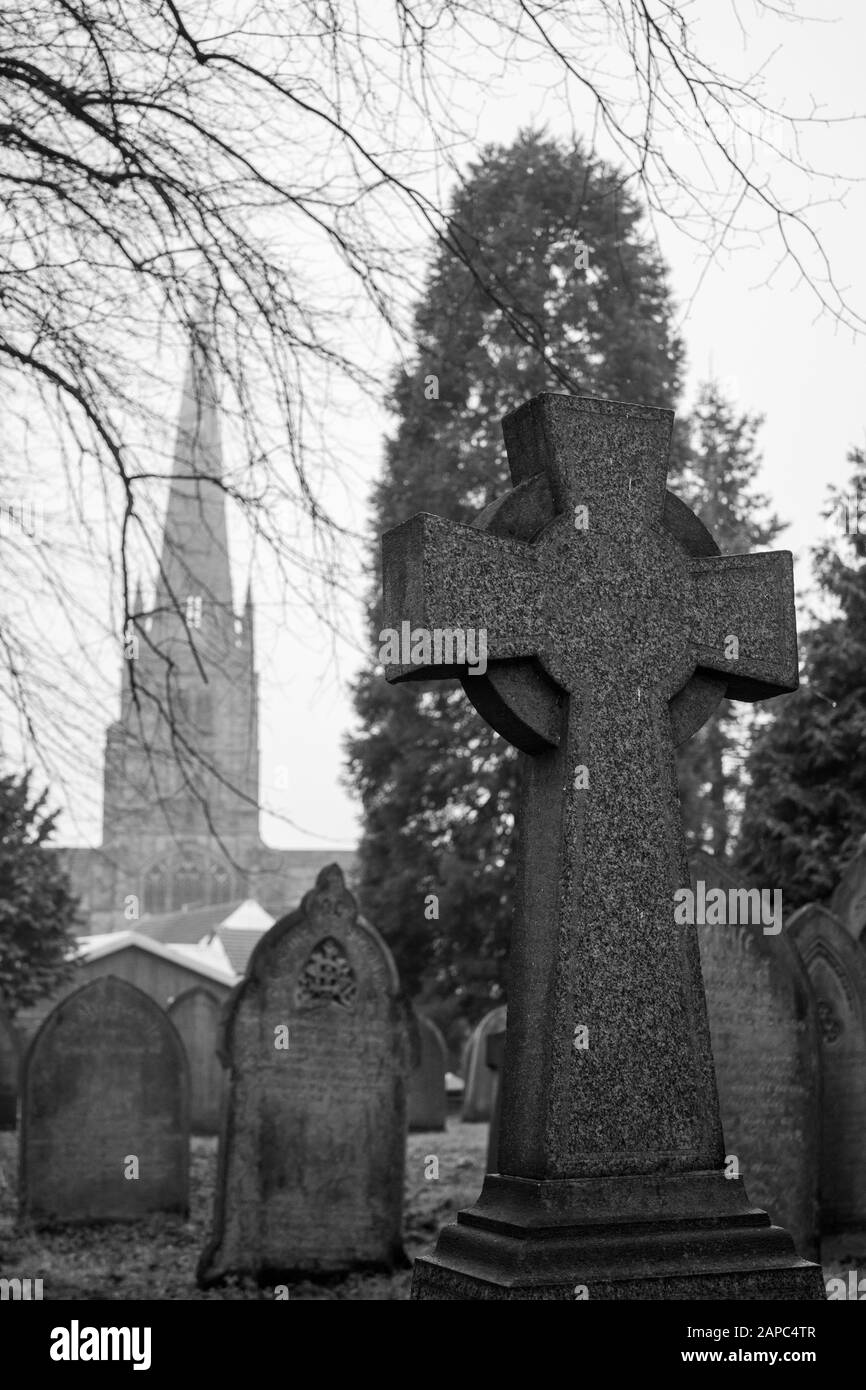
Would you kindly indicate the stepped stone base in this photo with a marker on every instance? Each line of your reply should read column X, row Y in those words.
column 648, row 1237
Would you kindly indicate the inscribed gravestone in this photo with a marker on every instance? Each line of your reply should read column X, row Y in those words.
column 196, row 1016
column 428, row 1102
column 613, row 629
column 764, row 1038
column 312, row 1153
column 9, row 1064
column 837, row 968
column 480, row 1080
column 104, row 1110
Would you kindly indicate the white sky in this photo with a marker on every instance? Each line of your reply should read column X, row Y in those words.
column 767, row 343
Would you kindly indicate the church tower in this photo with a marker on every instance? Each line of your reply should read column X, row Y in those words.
column 181, row 763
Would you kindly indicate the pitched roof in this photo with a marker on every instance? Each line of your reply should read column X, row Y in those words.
column 239, row 944
column 189, row 926
column 96, row 947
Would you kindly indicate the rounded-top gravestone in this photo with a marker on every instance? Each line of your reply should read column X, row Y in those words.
column 764, row 1035
column 312, row 1153
column 836, row 963
column 428, row 1101
column 104, row 1110
column 479, row 1095
column 196, row 1016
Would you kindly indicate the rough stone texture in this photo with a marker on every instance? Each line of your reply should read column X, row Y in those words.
column 496, row 1062
column 837, row 968
column 605, row 645
column 9, row 1065
column 196, row 1016
column 104, row 1079
column 312, row 1152
column 656, row 1236
column 480, row 1081
column 848, row 903
column 428, row 1102
column 765, row 1047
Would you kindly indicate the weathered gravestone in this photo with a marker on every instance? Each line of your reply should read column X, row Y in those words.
column 848, row 902
column 104, row 1110
column 428, row 1102
column 837, row 968
column 312, row 1151
column 9, row 1065
column 765, row 1048
column 613, row 629
column 479, row 1092
column 196, row 1016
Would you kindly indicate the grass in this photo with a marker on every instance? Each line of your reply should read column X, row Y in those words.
column 156, row 1258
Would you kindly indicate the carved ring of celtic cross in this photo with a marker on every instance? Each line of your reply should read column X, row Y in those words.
column 518, row 698
column 523, row 696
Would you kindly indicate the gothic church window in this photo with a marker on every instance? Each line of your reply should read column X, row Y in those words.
column 155, row 890
column 188, row 886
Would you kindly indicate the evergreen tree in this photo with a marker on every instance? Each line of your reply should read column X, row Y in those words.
column 719, row 484
column 805, row 805
column 557, row 289
column 38, row 913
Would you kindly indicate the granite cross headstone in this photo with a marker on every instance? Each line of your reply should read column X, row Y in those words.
column 495, row 1061
column 312, row 1152
column 613, row 628
column 104, row 1110
column 836, row 964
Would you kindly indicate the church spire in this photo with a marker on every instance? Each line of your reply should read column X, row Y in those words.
column 194, row 575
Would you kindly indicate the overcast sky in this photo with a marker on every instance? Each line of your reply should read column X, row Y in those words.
column 745, row 321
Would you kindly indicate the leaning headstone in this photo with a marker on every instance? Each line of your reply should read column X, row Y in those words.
column 611, row 630
column 836, row 964
column 312, row 1151
column 428, row 1102
column 196, row 1016
column 848, row 902
column 104, row 1110
column 765, row 1048
column 480, row 1080
column 9, row 1064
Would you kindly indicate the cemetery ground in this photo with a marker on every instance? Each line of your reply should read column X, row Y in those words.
column 155, row 1258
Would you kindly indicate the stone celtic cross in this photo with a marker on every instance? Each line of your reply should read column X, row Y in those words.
column 614, row 628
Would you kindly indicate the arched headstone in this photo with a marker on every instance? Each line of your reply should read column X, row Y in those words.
column 312, row 1152
column 428, row 1102
column 104, row 1110
column 764, row 1040
column 836, row 964
column 479, row 1094
column 196, row 1016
